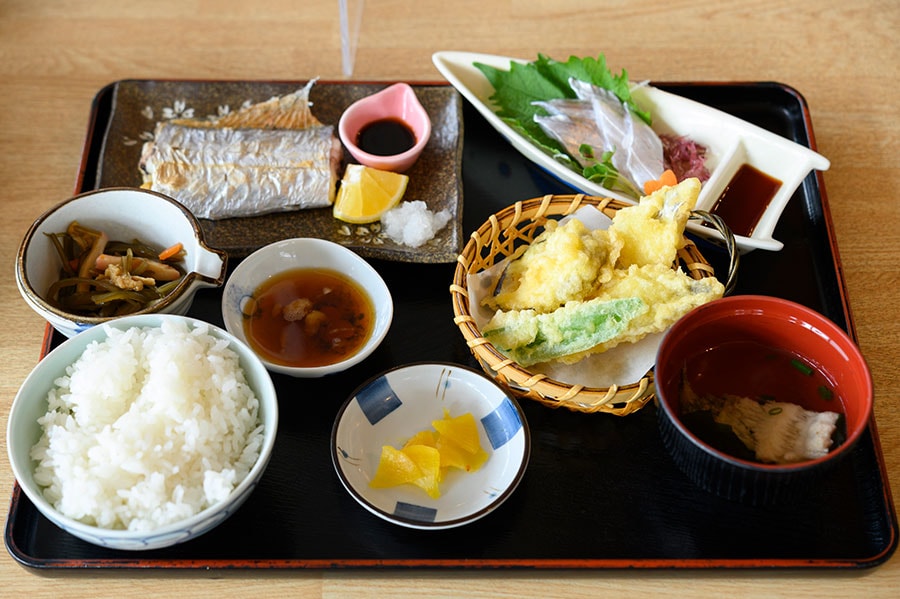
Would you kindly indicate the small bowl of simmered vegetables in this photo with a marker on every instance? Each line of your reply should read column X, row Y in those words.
column 104, row 254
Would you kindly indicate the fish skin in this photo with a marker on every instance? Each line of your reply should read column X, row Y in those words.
column 222, row 172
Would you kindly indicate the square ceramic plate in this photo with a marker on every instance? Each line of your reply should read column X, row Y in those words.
column 435, row 179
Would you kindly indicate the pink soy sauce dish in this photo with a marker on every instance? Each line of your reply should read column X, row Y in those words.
column 386, row 130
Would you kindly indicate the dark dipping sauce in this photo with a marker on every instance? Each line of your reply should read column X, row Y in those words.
column 334, row 325
column 759, row 372
column 745, row 199
column 385, row 137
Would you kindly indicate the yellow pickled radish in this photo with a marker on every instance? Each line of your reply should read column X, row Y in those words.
column 365, row 193
column 428, row 460
column 394, row 468
column 462, row 430
column 423, row 438
column 429, row 454
column 454, row 456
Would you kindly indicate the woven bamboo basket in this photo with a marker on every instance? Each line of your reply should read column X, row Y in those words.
column 519, row 224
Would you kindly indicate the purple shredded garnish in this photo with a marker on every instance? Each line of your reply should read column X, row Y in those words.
column 685, row 157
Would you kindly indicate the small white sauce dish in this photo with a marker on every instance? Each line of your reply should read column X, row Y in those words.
column 398, row 102
column 393, row 406
column 124, row 214
column 23, row 432
column 306, row 253
column 730, row 142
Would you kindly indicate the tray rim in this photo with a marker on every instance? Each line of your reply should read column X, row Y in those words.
column 134, row 561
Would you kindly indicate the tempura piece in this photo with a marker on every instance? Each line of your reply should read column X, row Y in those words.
column 653, row 231
column 574, row 292
column 566, row 262
column 529, row 338
column 669, row 295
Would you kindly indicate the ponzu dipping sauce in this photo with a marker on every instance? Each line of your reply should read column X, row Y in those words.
column 308, row 317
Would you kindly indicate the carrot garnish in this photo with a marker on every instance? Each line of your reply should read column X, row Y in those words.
column 667, row 179
column 171, row 251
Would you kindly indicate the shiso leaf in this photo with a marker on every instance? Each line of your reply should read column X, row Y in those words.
column 516, row 90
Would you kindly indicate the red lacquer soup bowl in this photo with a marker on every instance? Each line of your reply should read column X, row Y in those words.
column 777, row 353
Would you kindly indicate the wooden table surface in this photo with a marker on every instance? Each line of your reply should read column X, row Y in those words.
column 842, row 56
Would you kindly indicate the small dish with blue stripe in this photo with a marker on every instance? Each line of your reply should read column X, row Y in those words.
column 391, row 407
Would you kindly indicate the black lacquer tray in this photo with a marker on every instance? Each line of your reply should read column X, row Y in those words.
column 600, row 491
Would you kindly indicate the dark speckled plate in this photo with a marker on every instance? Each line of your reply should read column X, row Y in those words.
column 435, row 178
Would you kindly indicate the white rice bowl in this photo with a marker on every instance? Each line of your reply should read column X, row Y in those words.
column 151, row 428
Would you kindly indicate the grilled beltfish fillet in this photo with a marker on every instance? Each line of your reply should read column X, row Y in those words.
column 222, row 172
column 273, row 156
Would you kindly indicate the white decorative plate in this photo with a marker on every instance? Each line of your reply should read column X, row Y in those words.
column 730, row 142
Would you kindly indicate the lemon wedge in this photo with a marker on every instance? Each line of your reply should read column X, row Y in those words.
column 366, row 193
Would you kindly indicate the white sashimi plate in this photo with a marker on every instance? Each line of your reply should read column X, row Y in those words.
column 730, row 142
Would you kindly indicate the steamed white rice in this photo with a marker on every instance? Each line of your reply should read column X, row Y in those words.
column 148, row 427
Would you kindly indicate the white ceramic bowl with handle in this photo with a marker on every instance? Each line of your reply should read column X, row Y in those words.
column 124, row 214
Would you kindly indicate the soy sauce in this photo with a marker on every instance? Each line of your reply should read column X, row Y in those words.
column 385, row 137
column 745, row 199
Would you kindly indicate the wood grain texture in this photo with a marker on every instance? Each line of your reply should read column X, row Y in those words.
column 842, row 56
